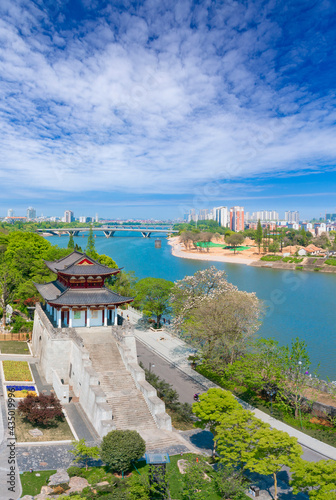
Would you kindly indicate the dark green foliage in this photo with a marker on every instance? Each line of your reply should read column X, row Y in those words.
column 152, row 296
column 120, row 448
column 75, row 471
column 21, row 325
column 259, row 235
column 90, row 246
column 230, row 483
column 71, row 243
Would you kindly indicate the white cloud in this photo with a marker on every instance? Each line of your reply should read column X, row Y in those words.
column 95, row 108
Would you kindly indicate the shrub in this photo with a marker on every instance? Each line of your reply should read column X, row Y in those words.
column 120, row 448
column 316, row 269
column 331, row 262
column 299, row 268
column 75, row 471
column 43, row 410
column 271, row 258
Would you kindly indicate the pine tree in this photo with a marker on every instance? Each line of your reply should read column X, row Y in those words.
column 259, row 234
column 90, row 247
column 71, row 243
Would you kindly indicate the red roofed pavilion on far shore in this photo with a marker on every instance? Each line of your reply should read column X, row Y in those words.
column 79, row 297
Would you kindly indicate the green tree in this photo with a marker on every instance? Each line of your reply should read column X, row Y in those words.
column 120, row 448
column 212, row 407
column 71, row 243
column 8, row 282
column 296, row 362
column 274, row 247
column 84, row 453
column 90, row 246
column 259, row 235
column 124, row 284
column 235, row 240
column 195, row 480
column 230, row 482
column 236, row 435
column 273, row 450
column 318, row 479
column 152, row 296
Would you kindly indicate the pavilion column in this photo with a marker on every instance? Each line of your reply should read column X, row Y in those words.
column 55, row 313
column 88, row 320
column 105, row 316
column 59, row 318
column 115, row 316
column 70, row 318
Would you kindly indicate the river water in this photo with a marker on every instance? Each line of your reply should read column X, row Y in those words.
column 298, row 304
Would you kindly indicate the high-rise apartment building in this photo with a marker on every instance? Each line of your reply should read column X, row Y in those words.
column 221, row 216
column 31, row 213
column 291, row 216
column 96, row 218
column 262, row 215
column 10, row 212
column 203, row 214
column 192, row 215
column 69, row 216
column 237, row 219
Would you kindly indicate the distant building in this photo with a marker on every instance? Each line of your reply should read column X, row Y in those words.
column 69, row 216
column 31, row 213
column 203, row 214
column 222, row 216
column 237, row 219
column 291, row 216
column 10, row 212
column 83, row 219
column 96, row 218
column 331, row 217
column 192, row 215
column 262, row 215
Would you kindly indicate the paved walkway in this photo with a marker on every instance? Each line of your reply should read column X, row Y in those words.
column 176, row 352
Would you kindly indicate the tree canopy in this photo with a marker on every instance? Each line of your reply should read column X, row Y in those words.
column 152, row 296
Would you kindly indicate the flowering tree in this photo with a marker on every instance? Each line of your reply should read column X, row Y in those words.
column 190, row 292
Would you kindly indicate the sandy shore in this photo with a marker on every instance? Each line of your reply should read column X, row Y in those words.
column 179, row 251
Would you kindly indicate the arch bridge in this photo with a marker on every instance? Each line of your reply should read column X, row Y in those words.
column 109, row 231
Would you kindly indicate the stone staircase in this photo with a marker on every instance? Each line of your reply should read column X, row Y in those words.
column 129, row 408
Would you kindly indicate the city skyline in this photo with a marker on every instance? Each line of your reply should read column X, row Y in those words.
column 147, row 109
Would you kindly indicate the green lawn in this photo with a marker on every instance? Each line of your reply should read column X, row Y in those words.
column 31, row 485
column 16, row 371
column 14, row 347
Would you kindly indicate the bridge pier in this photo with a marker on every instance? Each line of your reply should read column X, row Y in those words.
column 146, row 234
column 109, row 234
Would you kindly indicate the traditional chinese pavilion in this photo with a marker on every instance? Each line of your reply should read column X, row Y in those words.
column 79, row 297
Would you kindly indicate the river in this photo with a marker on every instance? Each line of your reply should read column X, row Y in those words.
column 299, row 304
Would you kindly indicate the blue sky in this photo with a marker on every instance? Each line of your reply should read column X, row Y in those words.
column 149, row 108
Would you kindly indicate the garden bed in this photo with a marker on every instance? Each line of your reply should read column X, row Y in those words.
column 17, row 371
column 14, row 347
column 59, row 432
column 21, row 391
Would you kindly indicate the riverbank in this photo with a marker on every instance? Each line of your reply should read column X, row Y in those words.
column 212, row 255
column 249, row 258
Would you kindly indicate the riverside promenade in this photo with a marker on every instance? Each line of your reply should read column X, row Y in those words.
column 176, row 352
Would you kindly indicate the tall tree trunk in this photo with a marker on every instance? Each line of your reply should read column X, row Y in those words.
column 275, row 486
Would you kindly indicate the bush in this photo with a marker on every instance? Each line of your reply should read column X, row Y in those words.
column 120, row 448
column 43, row 410
column 331, row 262
column 75, row 471
column 292, row 260
column 271, row 258
column 299, row 268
